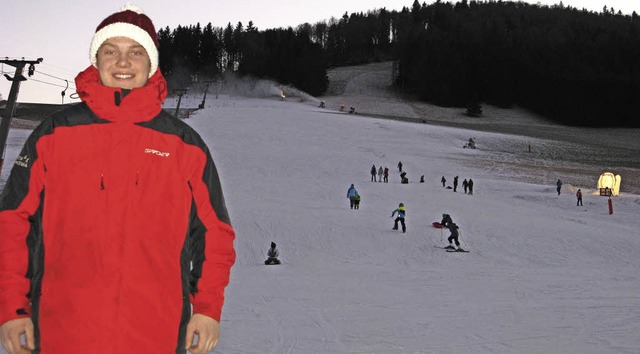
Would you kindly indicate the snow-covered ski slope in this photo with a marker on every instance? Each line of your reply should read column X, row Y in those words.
column 543, row 275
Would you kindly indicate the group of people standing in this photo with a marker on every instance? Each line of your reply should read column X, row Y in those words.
column 467, row 185
column 382, row 173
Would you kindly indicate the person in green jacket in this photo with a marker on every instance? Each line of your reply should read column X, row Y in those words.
column 401, row 212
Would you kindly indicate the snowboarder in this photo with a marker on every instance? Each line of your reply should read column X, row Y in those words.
column 446, row 220
column 400, row 166
column 272, row 255
column 465, row 185
column 352, row 193
column 579, row 196
column 401, row 211
column 443, row 180
column 470, row 184
column 373, row 173
column 455, row 183
column 386, row 174
column 558, row 186
column 453, row 228
column 380, row 172
column 422, row 179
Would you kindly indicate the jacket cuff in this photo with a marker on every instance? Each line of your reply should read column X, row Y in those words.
column 206, row 309
column 13, row 314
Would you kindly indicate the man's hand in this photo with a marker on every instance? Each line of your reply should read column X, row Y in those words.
column 208, row 331
column 10, row 333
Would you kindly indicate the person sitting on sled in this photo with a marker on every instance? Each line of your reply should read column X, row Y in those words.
column 272, row 253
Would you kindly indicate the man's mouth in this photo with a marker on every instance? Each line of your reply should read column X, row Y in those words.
column 123, row 76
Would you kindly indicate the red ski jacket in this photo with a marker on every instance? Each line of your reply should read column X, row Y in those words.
column 113, row 226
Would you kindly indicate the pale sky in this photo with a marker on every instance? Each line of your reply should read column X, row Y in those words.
column 60, row 31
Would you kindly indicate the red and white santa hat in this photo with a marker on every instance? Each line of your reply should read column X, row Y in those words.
column 129, row 22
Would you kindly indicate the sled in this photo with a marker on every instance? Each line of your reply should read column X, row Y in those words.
column 437, row 225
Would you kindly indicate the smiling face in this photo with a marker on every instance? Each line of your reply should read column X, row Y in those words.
column 123, row 63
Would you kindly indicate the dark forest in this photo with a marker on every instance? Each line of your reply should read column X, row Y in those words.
column 576, row 67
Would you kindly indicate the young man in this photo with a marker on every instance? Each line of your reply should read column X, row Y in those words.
column 115, row 237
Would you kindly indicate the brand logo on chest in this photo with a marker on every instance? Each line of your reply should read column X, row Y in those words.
column 156, row 152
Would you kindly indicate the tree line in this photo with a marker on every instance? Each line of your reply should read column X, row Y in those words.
column 573, row 66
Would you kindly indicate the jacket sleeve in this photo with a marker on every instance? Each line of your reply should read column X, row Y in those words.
column 217, row 252
column 19, row 202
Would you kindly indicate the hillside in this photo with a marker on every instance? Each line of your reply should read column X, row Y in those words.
column 578, row 153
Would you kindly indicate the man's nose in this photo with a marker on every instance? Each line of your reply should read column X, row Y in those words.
column 123, row 60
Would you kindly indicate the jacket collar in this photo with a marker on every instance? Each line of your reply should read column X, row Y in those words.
column 139, row 105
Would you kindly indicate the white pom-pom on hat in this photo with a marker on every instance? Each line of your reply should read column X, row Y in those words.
column 131, row 7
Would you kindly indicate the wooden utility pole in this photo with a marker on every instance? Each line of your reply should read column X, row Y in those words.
column 13, row 98
column 180, row 92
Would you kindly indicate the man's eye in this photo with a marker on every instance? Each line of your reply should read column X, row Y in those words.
column 108, row 52
column 136, row 53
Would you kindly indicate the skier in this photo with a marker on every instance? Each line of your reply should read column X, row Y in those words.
column 400, row 166
column 386, row 174
column 273, row 254
column 455, row 183
column 443, row 180
column 373, row 173
column 380, row 172
column 558, row 186
column 465, row 185
column 470, row 184
column 352, row 193
column 579, row 196
column 401, row 211
column 446, row 220
column 453, row 228
column 422, row 179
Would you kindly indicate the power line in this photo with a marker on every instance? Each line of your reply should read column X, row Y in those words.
column 48, row 83
column 44, row 82
column 55, row 77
